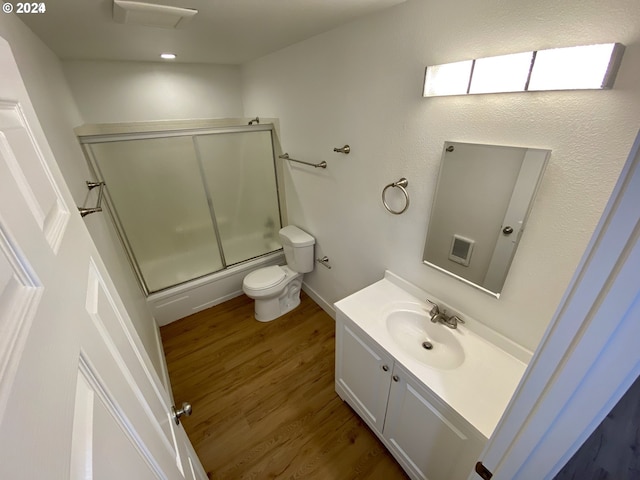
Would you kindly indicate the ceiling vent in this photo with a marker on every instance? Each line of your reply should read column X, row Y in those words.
column 152, row 15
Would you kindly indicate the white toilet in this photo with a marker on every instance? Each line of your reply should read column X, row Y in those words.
column 276, row 289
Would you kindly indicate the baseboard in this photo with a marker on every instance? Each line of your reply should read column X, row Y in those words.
column 315, row 296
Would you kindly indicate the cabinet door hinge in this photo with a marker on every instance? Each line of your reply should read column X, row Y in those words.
column 483, row 471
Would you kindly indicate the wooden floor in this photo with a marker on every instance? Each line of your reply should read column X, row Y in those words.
column 264, row 404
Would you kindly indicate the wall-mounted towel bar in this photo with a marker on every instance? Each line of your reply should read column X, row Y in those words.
column 316, row 165
column 98, row 208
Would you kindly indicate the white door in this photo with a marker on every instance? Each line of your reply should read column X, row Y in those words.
column 78, row 397
column 524, row 191
column 589, row 355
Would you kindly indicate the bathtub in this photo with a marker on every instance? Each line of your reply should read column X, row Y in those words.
column 204, row 292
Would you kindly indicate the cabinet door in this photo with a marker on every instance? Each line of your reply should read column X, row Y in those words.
column 363, row 373
column 427, row 444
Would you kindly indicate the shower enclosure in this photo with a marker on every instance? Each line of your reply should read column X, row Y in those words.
column 189, row 203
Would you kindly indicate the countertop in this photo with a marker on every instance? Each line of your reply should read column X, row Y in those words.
column 480, row 389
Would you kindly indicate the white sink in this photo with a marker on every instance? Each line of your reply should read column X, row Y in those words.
column 432, row 344
column 472, row 369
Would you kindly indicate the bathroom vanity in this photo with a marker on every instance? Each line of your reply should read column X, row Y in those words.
column 433, row 406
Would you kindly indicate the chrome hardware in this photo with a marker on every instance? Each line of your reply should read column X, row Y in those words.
column 401, row 184
column 434, row 309
column 185, row 410
column 437, row 315
column 396, row 378
column 255, row 120
column 286, row 156
column 98, row 208
column 507, row 230
column 427, row 345
column 385, row 368
column 324, row 261
column 346, row 149
column 450, row 148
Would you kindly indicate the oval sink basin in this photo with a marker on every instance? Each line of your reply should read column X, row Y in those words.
column 430, row 343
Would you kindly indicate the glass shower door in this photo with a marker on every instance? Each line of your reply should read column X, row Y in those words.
column 156, row 188
column 239, row 175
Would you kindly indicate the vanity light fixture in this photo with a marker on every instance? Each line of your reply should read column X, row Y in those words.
column 168, row 56
column 589, row 67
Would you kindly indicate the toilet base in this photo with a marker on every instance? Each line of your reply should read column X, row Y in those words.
column 269, row 309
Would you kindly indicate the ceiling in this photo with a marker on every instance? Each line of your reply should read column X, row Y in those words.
column 223, row 31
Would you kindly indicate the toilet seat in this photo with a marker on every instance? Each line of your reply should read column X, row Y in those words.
column 264, row 278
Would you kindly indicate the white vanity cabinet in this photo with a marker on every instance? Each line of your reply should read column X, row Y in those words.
column 363, row 373
column 427, row 437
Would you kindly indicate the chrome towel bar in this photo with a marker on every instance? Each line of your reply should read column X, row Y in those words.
column 401, row 184
column 98, row 208
column 286, row 156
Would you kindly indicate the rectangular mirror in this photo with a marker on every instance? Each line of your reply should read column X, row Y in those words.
column 482, row 200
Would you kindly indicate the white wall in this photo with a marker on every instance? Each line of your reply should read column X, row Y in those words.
column 109, row 92
column 361, row 84
column 58, row 114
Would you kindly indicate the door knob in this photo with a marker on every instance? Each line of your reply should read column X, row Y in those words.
column 507, row 230
column 185, row 410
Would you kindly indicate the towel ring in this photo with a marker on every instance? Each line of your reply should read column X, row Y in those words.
column 401, row 184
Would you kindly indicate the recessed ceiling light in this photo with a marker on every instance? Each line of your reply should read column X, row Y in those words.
column 168, row 56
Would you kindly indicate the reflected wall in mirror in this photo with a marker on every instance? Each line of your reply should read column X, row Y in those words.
column 483, row 197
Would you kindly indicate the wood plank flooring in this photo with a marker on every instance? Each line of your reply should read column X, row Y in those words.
column 264, row 404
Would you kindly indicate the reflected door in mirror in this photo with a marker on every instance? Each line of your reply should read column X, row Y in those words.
column 483, row 197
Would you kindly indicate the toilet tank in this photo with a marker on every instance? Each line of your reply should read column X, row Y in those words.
column 298, row 248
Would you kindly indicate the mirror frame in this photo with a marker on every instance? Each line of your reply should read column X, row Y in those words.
column 539, row 155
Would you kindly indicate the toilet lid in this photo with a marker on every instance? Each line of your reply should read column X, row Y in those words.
column 264, row 277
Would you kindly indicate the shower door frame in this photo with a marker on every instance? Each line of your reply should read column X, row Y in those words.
column 87, row 140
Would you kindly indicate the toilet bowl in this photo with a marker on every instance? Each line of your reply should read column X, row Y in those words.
column 276, row 289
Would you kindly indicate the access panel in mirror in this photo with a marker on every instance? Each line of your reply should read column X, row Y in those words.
column 483, row 197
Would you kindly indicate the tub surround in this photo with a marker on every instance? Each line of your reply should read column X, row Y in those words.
column 480, row 388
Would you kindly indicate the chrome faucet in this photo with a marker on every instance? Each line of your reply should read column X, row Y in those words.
column 450, row 321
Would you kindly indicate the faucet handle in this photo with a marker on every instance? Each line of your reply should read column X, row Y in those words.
column 435, row 310
column 457, row 319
